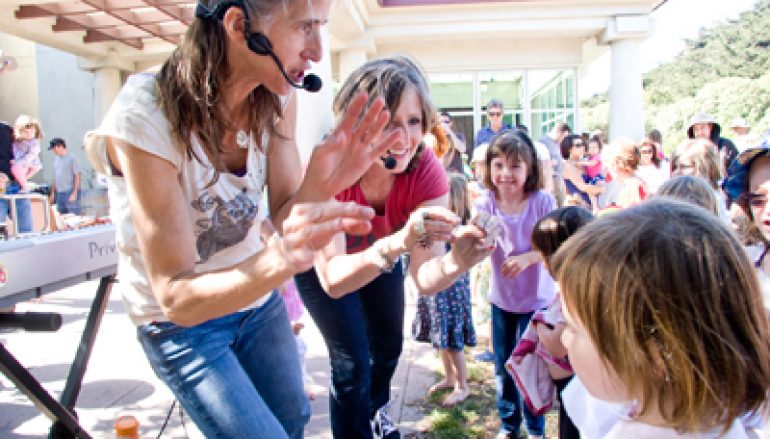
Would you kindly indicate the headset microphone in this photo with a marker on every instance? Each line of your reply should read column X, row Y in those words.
column 389, row 162
column 257, row 42
column 311, row 83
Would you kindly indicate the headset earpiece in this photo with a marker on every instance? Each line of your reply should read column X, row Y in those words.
column 259, row 44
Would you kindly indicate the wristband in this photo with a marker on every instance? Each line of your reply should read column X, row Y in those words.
column 385, row 263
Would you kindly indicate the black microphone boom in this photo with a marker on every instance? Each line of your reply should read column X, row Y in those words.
column 311, row 83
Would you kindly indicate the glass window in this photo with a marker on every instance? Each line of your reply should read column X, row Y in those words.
column 536, row 98
column 453, row 93
column 551, row 89
column 508, row 86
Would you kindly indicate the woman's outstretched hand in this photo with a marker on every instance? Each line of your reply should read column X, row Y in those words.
column 343, row 157
column 310, row 226
column 427, row 225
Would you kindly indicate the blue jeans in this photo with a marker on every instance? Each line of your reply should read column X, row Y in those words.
column 507, row 328
column 23, row 210
column 237, row 376
column 63, row 204
column 363, row 332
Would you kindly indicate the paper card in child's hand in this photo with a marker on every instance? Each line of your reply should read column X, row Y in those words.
column 491, row 227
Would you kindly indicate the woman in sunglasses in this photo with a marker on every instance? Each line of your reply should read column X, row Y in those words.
column 651, row 168
column 576, row 184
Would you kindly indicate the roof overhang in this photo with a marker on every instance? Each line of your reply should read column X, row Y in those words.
column 143, row 32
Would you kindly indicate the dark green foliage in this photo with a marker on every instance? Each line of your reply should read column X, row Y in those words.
column 736, row 48
column 724, row 72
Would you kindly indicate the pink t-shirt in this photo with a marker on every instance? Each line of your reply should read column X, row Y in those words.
column 595, row 170
column 426, row 182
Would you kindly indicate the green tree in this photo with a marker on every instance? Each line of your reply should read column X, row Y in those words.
column 724, row 72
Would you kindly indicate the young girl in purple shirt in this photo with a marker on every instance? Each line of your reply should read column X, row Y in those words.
column 519, row 284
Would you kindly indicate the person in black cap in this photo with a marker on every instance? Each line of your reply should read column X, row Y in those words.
column 748, row 182
column 65, row 190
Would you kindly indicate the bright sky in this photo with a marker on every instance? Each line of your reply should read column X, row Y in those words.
column 674, row 21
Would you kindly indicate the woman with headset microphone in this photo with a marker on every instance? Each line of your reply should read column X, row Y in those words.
column 188, row 153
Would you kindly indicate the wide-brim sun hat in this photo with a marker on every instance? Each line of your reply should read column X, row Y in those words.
column 739, row 123
column 736, row 182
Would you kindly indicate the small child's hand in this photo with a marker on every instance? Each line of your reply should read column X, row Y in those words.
column 514, row 265
column 491, row 227
column 550, row 337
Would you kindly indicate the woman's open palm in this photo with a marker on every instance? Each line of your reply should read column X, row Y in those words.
column 340, row 160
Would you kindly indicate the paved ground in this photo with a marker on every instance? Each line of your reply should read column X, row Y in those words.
column 119, row 380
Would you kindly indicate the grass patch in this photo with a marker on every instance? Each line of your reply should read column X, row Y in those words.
column 474, row 418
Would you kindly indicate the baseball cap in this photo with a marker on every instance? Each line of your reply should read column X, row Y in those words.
column 57, row 141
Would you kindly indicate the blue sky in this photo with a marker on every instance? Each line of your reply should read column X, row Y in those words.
column 674, row 22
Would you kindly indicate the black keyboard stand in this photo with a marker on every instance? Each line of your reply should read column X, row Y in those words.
column 61, row 412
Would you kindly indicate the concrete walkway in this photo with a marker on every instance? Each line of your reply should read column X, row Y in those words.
column 119, row 380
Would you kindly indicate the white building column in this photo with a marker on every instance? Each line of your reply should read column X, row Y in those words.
column 626, row 94
column 107, row 84
column 107, row 80
column 624, row 34
column 314, row 110
column 351, row 59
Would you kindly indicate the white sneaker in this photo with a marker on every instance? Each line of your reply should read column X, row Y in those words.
column 382, row 426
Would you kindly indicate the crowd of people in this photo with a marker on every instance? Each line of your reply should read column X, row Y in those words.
column 20, row 149
column 617, row 180
column 628, row 284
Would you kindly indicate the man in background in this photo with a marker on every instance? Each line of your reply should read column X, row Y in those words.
column 495, row 113
column 66, row 178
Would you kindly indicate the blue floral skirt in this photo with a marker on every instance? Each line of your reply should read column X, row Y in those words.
column 445, row 320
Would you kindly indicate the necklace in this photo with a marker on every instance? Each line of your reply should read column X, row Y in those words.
column 242, row 139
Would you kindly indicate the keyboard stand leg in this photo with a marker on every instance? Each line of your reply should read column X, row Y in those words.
column 61, row 413
column 30, row 386
column 78, row 369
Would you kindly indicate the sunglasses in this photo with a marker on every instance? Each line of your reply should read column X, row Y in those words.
column 754, row 200
column 495, row 113
column 578, row 144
